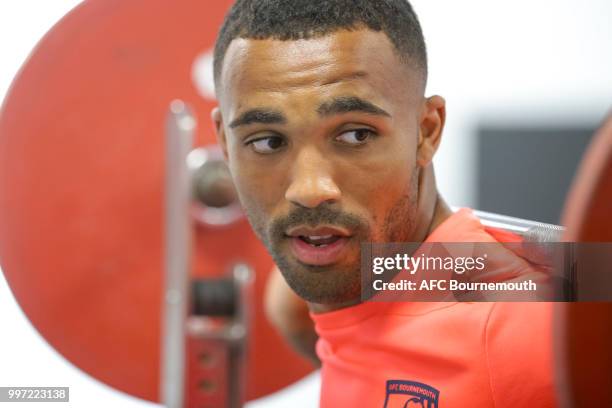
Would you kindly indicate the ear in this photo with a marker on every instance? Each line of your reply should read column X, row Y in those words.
column 217, row 119
column 433, row 116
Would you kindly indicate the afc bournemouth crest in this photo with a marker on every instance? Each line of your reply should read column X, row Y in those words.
column 410, row 394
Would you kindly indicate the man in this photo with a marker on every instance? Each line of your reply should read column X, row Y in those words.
column 329, row 138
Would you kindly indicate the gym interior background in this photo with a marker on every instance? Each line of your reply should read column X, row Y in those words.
column 526, row 84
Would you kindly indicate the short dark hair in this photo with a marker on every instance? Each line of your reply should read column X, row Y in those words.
column 303, row 19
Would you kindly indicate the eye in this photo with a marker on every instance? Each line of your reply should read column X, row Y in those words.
column 267, row 145
column 356, row 137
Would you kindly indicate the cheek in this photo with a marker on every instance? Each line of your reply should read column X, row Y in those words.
column 378, row 184
column 258, row 189
column 251, row 201
column 392, row 201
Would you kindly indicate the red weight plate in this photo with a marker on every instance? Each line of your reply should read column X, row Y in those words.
column 588, row 210
column 81, row 179
column 588, row 326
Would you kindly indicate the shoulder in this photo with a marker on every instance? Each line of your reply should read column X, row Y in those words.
column 462, row 226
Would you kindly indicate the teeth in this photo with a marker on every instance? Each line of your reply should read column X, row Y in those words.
column 314, row 237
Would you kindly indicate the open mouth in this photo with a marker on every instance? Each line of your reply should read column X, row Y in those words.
column 318, row 246
column 319, row 240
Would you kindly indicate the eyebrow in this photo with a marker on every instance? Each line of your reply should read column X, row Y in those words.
column 345, row 104
column 342, row 104
column 259, row 115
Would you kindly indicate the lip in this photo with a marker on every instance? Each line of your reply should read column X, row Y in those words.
column 318, row 256
column 302, row 230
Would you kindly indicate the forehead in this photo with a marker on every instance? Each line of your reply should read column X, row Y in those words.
column 360, row 61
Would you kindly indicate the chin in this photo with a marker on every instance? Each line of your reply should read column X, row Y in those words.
column 327, row 285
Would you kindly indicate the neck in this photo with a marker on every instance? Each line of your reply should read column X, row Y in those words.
column 432, row 210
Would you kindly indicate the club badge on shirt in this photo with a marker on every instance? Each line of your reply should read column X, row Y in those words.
column 410, row 394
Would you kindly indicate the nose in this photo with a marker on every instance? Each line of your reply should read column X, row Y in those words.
column 312, row 181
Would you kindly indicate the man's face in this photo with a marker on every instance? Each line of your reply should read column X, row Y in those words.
column 321, row 138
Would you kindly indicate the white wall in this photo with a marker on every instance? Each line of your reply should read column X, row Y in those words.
column 525, row 61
